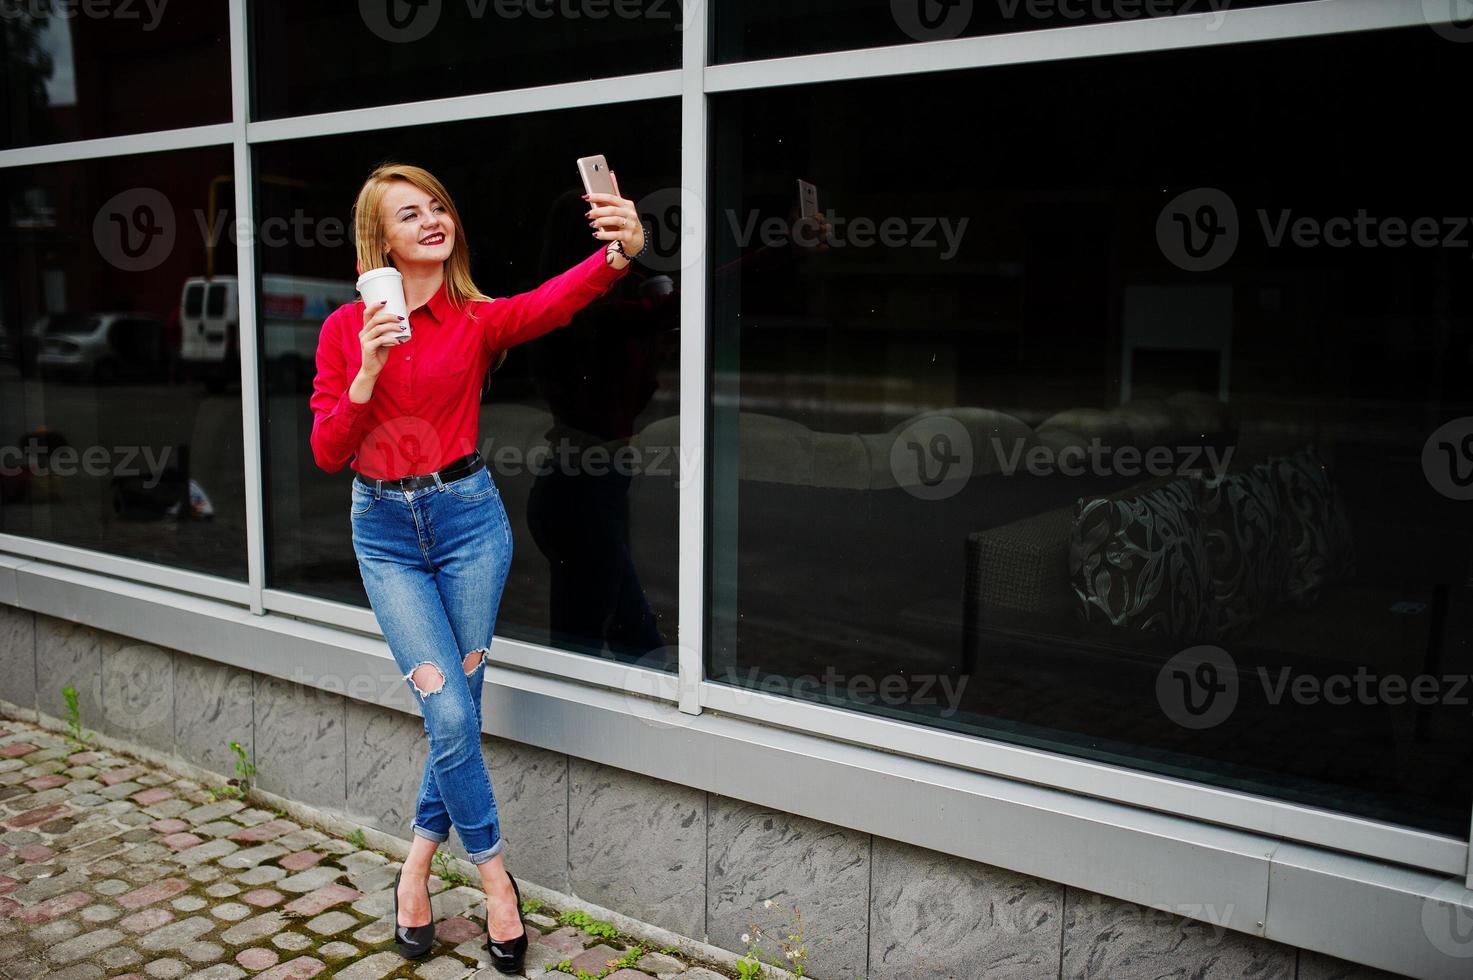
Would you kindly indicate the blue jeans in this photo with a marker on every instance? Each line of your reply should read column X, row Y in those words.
column 434, row 561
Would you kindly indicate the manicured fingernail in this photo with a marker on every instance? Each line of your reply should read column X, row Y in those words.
column 401, row 318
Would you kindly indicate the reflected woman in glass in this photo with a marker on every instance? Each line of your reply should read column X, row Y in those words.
column 399, row 400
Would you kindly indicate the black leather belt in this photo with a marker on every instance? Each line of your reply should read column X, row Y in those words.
column 454, row 470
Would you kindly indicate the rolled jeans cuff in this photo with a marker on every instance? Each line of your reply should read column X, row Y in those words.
column 430, row 834
column 481, row 857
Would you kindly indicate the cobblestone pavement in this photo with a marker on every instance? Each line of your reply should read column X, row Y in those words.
column 112, row 867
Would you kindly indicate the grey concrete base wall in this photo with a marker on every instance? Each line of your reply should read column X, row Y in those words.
column 690, row 861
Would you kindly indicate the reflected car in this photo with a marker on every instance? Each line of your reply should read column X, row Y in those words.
column 103, row 348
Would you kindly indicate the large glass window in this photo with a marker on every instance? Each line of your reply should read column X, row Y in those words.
column 753, row 29
column 115, row 428
column 323, row 57
column 579, row 426
column 1132, row 418
column 82, row 70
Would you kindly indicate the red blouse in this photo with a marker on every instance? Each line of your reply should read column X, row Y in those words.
column 425, row 409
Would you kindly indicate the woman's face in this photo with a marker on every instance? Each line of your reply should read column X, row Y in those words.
column 417, row 228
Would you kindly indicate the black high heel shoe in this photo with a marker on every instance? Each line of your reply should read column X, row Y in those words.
column 414, row 941
column 506, row 954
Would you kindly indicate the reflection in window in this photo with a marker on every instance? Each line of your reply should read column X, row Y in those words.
column 1107, row 431
column 111, row 437
column 578, row 427
column 88, row 70
column 755, row 29
column 387, row 52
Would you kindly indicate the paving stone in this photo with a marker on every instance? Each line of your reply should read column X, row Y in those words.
column 263, row 897
column 54, row 932
column 261, row 876
column 147, row 920
column 373, row 967
column 121, row 790
column 86, row 944
column 217, row 828
column 189, row 903
column 457, row 929
column 567, row 939
column 169, row 809
column 292, row 942
column 254, row 929
column 143, row 874
column 204, row 872
column 52, row 908
column 98, row 912
column 628, row 974
column 443, row 968
column 321, row 899
column 212, row 811
column 223, row 889
column 115, row 776
column 539, row 956
column 544, row 922
column 220, row 971
column 169, row 826
column 145, row 853
column 180, row 841
column 300, row 860
column 202, row 951
column 375, row 932
column 329, row 923
column 700, row 973
column 595, row 959
column 149, row 797
column 252, row 816
column 299, row 839
column 231, row 911
column 118, row 957
column 208, row 851
column 176, row 934
column 302, row 966
column 77, row 971
column 167, row 968
column 154, row 892
column 257, row 958
column 657, row 963
column 310, row 880
column 337, row 950
column 265, row 832
column 248, row 857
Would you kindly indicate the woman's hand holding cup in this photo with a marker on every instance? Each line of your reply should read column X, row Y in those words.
column 381, row 331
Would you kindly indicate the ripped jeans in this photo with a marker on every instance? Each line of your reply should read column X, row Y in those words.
column 434, row 561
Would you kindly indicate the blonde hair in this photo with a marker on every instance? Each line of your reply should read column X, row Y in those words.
column 368, row 233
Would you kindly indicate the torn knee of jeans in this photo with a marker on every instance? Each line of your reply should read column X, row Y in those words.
column 475, row 659
column 426, row 678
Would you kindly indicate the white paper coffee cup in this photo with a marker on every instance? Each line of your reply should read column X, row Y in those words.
column 387, row 283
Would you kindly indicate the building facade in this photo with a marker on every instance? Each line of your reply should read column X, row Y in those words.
column 1017, row 511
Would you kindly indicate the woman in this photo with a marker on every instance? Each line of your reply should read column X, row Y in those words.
column 431, row 536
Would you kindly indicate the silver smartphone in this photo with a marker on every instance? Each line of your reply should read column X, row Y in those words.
column 807, row 199
column 595, row 173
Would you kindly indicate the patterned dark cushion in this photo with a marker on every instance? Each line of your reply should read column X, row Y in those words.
column 1314, row 524
column 1241, row 525
column 1140, row 562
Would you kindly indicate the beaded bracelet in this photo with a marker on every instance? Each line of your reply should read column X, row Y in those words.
column 617, row 245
